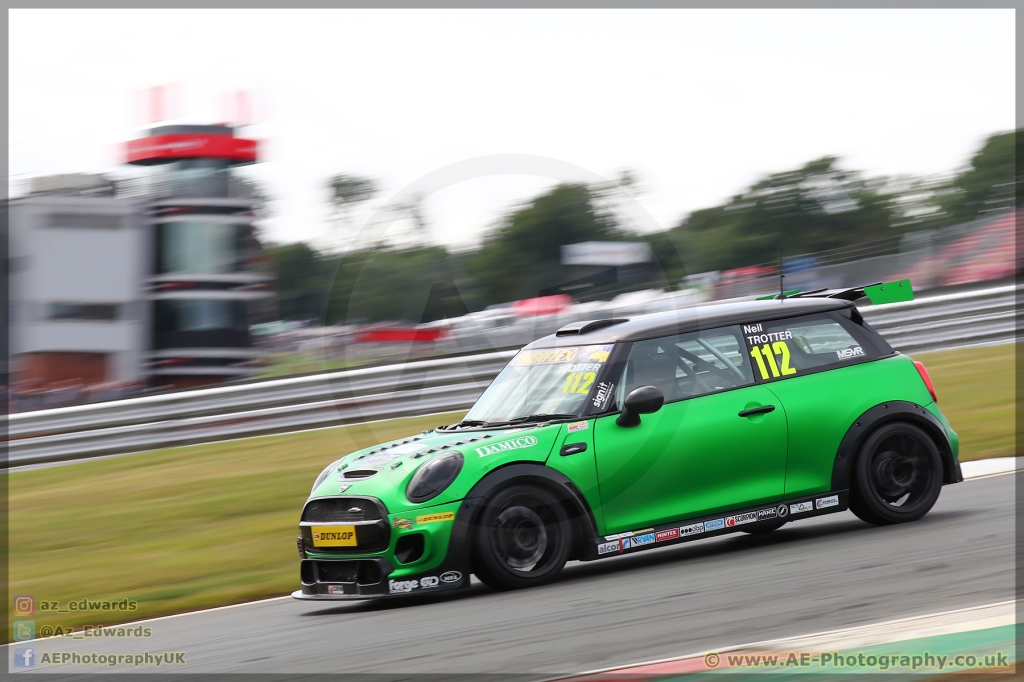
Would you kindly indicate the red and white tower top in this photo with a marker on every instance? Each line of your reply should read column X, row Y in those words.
column 175, row 142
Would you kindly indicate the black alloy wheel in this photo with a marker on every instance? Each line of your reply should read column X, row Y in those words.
column 897, row 476
column 522, row 538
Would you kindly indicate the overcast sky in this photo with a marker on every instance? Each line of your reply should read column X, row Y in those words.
column 698, row 103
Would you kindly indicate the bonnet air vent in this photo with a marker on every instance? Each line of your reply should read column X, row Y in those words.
column 577, row 328
column 360, row 473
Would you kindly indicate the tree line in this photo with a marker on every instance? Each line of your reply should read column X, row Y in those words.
column 818, row 206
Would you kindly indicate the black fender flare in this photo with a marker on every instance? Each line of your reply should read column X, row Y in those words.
column 536, row 473
column 895, row 410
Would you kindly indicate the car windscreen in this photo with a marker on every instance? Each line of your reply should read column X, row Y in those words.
column 542, row 381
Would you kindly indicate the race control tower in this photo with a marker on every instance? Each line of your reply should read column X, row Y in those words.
column 208, row 273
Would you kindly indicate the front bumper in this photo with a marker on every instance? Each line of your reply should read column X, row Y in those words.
column 326, row 579
column 341, row 577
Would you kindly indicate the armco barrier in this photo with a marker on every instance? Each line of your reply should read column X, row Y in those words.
column 408, row 389
column 946, row 321
column 265, row 407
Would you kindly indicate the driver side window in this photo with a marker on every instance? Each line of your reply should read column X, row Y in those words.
column 688, row 365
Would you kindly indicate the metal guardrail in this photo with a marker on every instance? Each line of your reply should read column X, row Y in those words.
column 415, row 388
column 946, row 321
column 227, row 412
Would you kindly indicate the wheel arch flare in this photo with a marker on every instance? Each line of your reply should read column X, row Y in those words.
column 884, row 413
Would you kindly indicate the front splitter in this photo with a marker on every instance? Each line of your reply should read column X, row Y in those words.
column 297, row 594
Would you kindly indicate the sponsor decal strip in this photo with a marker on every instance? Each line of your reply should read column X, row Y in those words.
column 424, row 583
column 670, row 534
column 577, row 426
column 605, row 390
column 618, row 542
column 714, row 524
column 692, row 529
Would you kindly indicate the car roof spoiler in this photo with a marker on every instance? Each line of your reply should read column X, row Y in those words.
column 878, row 293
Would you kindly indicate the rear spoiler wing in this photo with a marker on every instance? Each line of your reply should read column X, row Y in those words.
column 878, row 293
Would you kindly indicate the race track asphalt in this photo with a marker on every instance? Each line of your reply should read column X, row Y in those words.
column 810, row 576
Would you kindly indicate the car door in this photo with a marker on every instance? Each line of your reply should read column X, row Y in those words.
column 821, row 368
column 703, row 451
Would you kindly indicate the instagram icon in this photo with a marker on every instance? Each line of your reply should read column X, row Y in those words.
column 24, row 605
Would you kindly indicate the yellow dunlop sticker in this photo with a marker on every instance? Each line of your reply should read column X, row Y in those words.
column 434, row 518
column 334, row 536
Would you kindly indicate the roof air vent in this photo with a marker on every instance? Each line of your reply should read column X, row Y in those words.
column 577, row 328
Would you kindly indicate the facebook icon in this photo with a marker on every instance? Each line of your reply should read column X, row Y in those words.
column 24, row 657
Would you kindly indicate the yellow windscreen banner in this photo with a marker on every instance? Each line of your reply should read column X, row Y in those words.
column 546, row 356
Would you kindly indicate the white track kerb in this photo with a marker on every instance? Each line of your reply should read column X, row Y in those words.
column 887, row 632
column 991, row 467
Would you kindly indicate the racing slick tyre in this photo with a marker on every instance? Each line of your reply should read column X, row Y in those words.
column 897, row 476
column 521, row 539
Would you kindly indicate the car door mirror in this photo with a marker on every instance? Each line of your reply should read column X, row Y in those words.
column 643, row 400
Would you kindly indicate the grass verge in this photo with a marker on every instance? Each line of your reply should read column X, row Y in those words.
column 976, row 393
column 173, row 530
column 190, row 528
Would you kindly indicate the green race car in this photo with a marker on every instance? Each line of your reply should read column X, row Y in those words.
column 616, row 436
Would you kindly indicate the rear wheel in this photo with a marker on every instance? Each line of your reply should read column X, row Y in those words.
column 522, row 539
column 897, row 476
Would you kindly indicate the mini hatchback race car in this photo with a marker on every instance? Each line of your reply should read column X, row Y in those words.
column 617, row 436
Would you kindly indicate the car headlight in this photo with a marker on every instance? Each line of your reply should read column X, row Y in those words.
column 433, row 477
column 324, row 474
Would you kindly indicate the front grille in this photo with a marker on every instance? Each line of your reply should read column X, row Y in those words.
column 367, row 515
column 337, row 571
column 359, row 571
column 343, row 509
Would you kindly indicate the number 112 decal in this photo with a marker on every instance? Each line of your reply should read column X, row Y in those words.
column 765, row 358
column 573, row 382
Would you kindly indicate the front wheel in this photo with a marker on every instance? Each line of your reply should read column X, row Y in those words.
column 522, row 539
column 897, row 476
